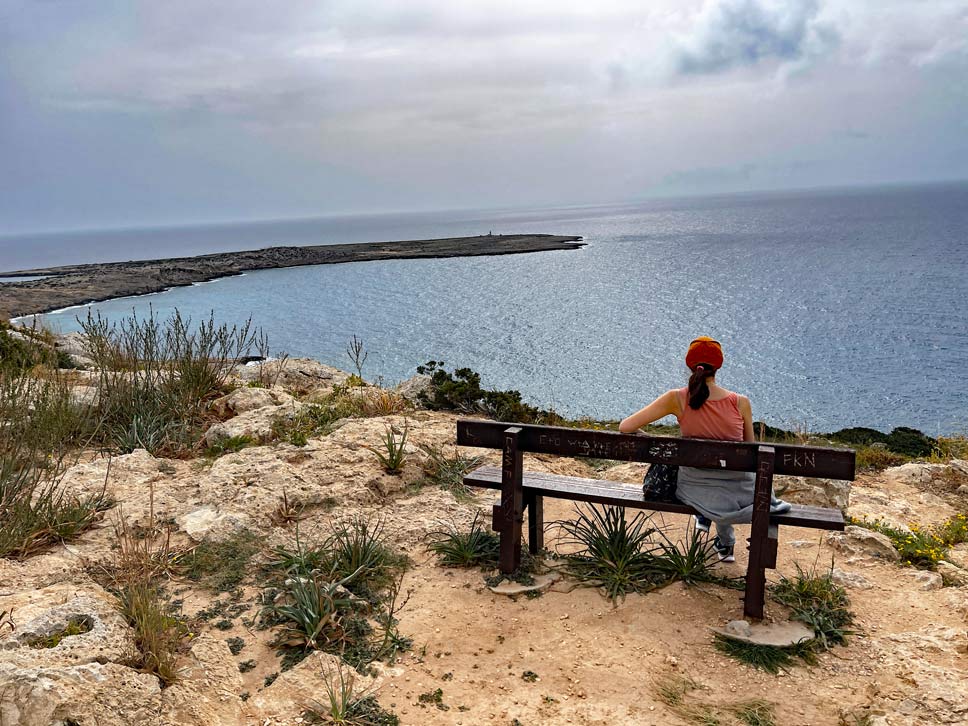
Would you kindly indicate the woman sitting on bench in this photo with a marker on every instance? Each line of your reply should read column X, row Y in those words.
column 708, row 411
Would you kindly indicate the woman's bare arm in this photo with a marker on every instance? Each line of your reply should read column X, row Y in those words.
column 743, row 403
column 665, row 405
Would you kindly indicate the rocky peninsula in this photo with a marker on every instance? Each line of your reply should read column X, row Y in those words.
column 79, row 284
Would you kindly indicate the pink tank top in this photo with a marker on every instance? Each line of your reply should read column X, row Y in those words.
column 713, row 420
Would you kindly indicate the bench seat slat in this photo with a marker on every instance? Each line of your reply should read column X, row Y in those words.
column 622, row 494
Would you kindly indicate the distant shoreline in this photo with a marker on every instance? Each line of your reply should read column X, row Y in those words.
column 73, row 285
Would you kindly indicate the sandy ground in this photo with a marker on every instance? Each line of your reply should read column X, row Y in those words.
column 594, row 663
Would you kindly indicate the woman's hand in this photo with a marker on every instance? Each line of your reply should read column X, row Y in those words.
column 665, row 405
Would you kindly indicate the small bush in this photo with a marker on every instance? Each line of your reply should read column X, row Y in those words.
column 318, row 419
column 349, row 586
column 40, row 426
column 380, row 402
column 877, row 458
column 903, row 440
column 461, row 391
column 357, row 547
column 313, row 611
column 615, row 553
column 477, row 547
column 815, row 600
column 921, row 547
column 156, row 379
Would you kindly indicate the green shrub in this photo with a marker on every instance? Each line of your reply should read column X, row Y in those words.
column 357, row 547
column 231, row 445
column 461, row 391
column 349, row 584
column 476, row 547
column 817, row 601
column 615, row 553
column 877, row 458
column 902, row 440
column 910, row 442
column 314, row 610
column 156, row 379
column 40, row 425
column 921, row 547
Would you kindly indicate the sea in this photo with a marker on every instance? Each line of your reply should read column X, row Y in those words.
column 835, row 308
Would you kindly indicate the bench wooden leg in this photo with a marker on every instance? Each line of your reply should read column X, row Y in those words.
column 535, row 505
column 511, row 513
column 762, row 549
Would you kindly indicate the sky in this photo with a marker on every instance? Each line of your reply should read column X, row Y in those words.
column 126, row 113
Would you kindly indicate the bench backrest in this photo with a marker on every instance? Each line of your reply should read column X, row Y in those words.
column 729, row 455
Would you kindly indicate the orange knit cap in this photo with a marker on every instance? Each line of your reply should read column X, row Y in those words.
column 704, row 350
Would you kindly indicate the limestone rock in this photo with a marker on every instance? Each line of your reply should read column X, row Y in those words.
column 859, row 541
column 829, row 493
column 207, row 688
column 852, row 580
column 211, row 524
column 958, row 555
column 915, row 472
column 296, row 375
column 413, row 387
column 296, row 688
column 959, row 465
column 256, row 424
column 246, row 399
column 925, row 579
column 106, row 694
column 952, row 575
column 935, row 639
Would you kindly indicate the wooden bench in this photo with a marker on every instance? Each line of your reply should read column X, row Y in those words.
column 522, row 490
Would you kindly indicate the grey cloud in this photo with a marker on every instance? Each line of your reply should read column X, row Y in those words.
column 737, row 33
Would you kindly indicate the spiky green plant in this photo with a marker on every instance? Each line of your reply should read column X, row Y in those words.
column 817, row 601
column 476, row 546
column 346, row 704
column 358, row 545
column 394, row 451
column 615, row 553
column 314, row 610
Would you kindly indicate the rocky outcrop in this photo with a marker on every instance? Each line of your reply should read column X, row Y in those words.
column 296, row 375
column 830, row 493
column 247, row 398
column 66, row 657
column 862, row 542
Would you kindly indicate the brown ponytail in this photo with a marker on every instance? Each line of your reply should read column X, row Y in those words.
column 698, row 388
